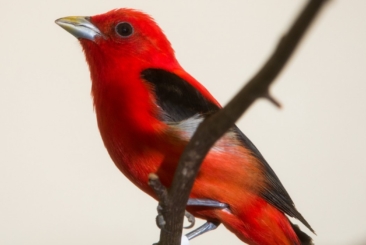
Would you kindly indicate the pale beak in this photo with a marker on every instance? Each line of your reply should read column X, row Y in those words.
column 80, row 27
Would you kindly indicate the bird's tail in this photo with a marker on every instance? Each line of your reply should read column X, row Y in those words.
column 303, row 237
column 261, row 223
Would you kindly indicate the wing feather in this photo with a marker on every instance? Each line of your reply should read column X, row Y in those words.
column 179, row 101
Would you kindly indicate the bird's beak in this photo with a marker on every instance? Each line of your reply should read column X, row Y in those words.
column 80, row 27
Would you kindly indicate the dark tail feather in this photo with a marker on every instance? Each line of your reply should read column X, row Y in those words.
column 303, row 237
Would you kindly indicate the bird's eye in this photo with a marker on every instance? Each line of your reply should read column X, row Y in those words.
column 124, row 29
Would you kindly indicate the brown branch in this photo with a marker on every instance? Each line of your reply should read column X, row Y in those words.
column 215, row 126
column 160, row 190
column 162, row 194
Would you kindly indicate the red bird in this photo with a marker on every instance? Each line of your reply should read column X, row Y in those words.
column 147, row 109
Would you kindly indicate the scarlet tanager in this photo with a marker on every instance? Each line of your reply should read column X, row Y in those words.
column 148, row 107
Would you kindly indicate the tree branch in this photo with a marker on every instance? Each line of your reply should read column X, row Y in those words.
column 216, row 125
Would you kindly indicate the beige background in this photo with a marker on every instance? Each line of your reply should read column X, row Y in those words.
column 57, row 183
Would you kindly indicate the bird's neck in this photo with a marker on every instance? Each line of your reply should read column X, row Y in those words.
column 124, row 106
column 126, row 116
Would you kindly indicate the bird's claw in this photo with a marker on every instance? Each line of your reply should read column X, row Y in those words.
column 160, row 221
column 191, row 220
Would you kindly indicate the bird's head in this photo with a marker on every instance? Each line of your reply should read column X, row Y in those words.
column 121, row 35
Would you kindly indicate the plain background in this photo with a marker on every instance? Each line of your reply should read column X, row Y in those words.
column 57, row 182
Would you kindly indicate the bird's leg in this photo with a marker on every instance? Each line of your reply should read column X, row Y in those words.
column 202, row 203
column 208, row 226
column 206, row 203
column 191, row 202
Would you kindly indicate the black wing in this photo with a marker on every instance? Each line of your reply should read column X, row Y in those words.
column 177, row 98
column 276, row 194
column 180, row 100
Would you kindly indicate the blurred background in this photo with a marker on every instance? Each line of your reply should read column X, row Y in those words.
column 57, row 182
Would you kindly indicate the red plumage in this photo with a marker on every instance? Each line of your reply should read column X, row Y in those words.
column 147, row 108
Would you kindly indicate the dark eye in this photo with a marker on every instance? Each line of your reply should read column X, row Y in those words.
column 124, row 29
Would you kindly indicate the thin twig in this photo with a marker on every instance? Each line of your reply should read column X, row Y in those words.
column 160, row 190
column 216, row 125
